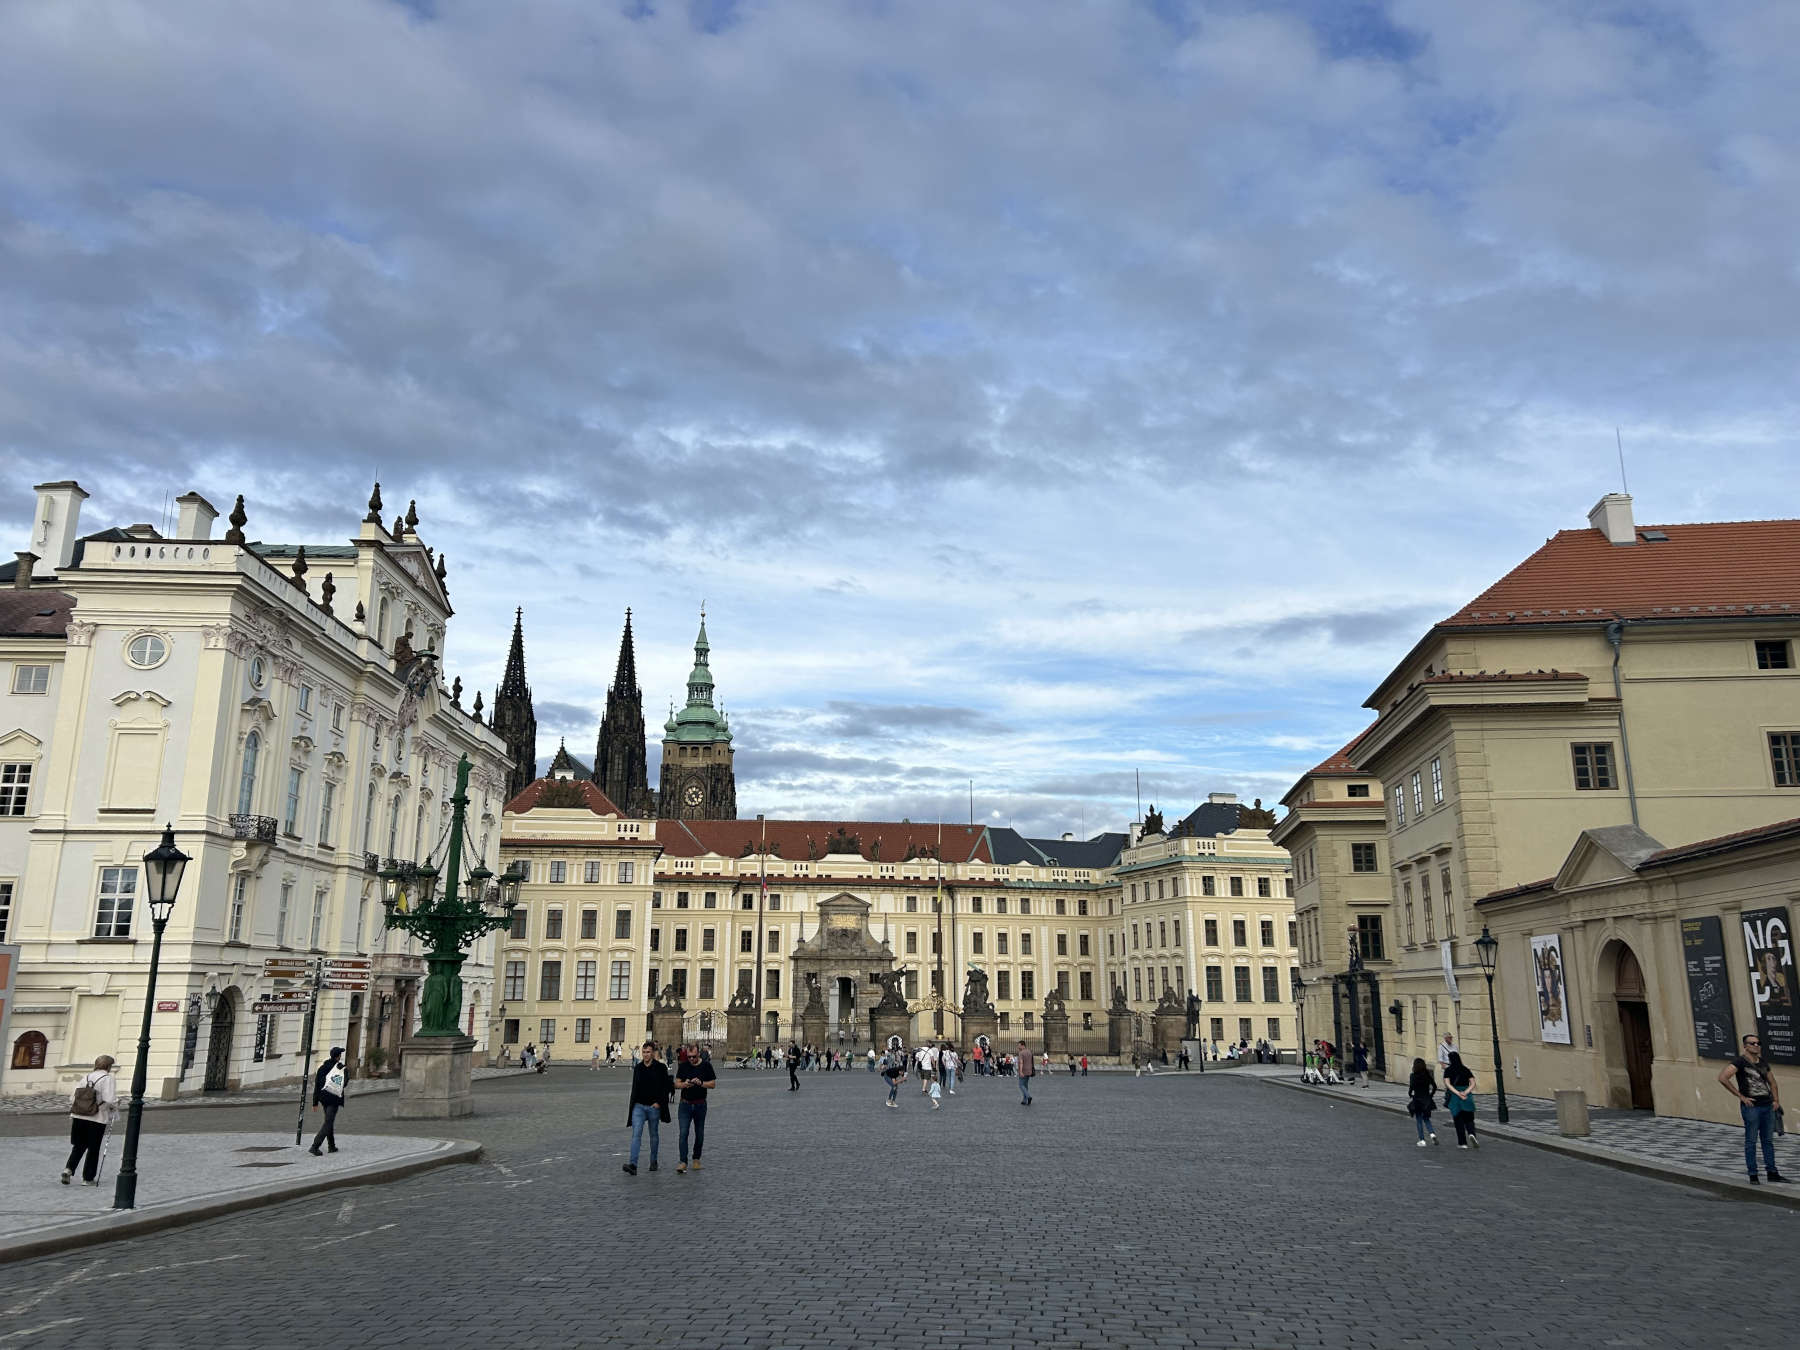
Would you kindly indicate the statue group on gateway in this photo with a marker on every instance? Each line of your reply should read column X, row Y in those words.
column 840, row 973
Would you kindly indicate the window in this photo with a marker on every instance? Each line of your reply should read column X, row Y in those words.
column 1368, row 937
column 1594, row 766
column 655, row 899
column 1109, row 945
column 1081, row 907
column 1241, row 981
column 584, row 978
column 547, row 1031
column 1362, row 858
column 1237, row 885
column 1266, row 929
column 681, row 939
column 247, row 777
column 559, row 872
column 1024, row 944
column 976, row 944
column 584, row 1030
column 1212, row 932
column 369, row 820
column 912, row 904
column 1271, row 982
column 1274, row 1029
column 618, row 980
column 656, row 939
column 1262, row 887
column 518, row 927
column 774, row 941
column 706, row 939
column 1024, row 904
column 774, row 901
column 1784, row 754
column 626, row 872
column 1081, row 944
column 771, row 984
column 318, row 921
column 1773, row 654
column 1209, row 886
column 6, row 896
column 1418, row 792
column 746, row 901
column 1449, row 909
column 590, row 874
column 1293, row 933
column 1357, row 790
column 1027, row 984
column 553, row 925
column 678, row 978
column 975, row 905
column 912, row 942
column 550, row 981
column 590, row 924
column 1218, row 1028
column 681, row 899
column 281, row 913
column 514, row 986
column 337, row 717
column 1000, row 947
column 1003, row 982
column 707, row 977
column 235, row 932
column 710, row 900
column 327, row 798
column 621, row 923
column 912, row 984
column 655, row 981
column 1437, row 781
column 1399, row 796
column 999, row 904
column 1293, row 984
column 1411, row 940
column 1240, row 933
column 1159, row 889
column 15, row 787
column 1087, row 985
column 31, row 679
column 1061, row 905
column 1162, row 932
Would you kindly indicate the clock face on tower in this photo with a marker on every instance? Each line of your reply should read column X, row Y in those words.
column 693, row 794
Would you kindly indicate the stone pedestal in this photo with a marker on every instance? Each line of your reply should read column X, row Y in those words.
column 1056, row 1034
column 1572, row 1113
column 891, row 1022
column 665, row 1028
column 1118, row 1033
column 1166, row 1033
column 435, row 1078
column 740, row 1031
column 976, row 1024
column 812, row 1027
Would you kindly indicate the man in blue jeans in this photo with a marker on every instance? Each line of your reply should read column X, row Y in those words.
column 1026, row 1068
column 695, row 1080
column 1748, row 1079
column 650, row 1087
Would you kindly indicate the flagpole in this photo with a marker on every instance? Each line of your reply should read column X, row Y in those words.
column 762, row 896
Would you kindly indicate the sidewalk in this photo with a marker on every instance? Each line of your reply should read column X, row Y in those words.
column 184, row 1177
column 1688, row 1152
column 57, row 1103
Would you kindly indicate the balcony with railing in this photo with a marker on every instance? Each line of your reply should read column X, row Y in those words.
column 253, row 829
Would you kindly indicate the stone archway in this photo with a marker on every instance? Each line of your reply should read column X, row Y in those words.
column 1628, row 1053
column 841, row 960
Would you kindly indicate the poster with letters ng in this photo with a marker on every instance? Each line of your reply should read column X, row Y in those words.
column 1709, row 988
column 1552, row 989
column 1769, row 943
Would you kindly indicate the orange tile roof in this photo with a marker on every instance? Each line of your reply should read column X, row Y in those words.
column 597, row 801
column 1339, row 763
column 1727, row 568
column 728, row 838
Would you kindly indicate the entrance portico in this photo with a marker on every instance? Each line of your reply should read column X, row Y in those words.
column 843, row 956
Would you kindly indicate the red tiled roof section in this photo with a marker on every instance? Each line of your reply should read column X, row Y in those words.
column 34, row 613
column 1700, row 571
column 727, row 838
column 595, row 800
column 1340, row 763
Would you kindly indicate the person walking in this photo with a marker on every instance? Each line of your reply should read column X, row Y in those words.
column 1421, row 1098
column 1446, row 1048
column 893, row 1069
column 1359, row 1063
column 695, row 1080
column 1748, row 1078
column 649, row 1103
column 948, row 1063
column 1460, row 1098
column 1027, row 1070
column 1084, row 1066
column 95, row 1106
column 329, row 1091
column 793, row 1067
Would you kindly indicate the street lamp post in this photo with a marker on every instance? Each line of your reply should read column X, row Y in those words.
column 1489, row 952
column 1300, row 1011
column 163, row 866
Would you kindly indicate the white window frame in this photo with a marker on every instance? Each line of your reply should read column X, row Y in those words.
column 25, row 679
column 15, row 787
column 282, row 906
column 235, row 928
column 116, row 901
column 327, row 799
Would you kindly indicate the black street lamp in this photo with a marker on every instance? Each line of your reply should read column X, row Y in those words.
column 1489, row 951
column 163, row 866
column 1300, row 1009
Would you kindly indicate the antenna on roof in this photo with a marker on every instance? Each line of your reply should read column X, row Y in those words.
column 1620, row 442
column 1139, row 775
column 971, row 803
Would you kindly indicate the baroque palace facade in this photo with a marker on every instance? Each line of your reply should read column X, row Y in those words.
column 283, row 708
column 618, row 912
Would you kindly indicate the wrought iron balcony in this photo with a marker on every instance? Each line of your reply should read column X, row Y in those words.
column 256, row 829
column 371, row 862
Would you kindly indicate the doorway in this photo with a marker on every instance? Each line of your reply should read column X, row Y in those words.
column 1634, row 1029
column 353, row 1035
column 843, row 1006
column 218, row 1047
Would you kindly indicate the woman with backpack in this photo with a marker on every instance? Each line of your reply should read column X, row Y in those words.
column 329, row 1091
column 1421, row 1097
column 95, row 1106
column 1459, row 1096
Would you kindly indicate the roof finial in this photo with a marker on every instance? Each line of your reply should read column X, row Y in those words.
column 412, row 517
column 235, row 535
column 374, row 516
column 478, row 705
column 299, row 568
column 399, row 527
column 440, row 570
column 327, row 589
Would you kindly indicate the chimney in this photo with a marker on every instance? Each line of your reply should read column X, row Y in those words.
column 197, row 516
column 22, row 577
column 1612, row 517
column 143, row 530
column 58, row 514
column 1068, row 838
column 1221, row 799
column 1136, row 832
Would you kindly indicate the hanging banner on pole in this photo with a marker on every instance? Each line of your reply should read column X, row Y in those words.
column 1449, row 971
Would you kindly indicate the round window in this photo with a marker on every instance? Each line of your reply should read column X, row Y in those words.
column 146, row 650
column 257, row 671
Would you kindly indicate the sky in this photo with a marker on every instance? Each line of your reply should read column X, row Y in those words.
column 1037, row 395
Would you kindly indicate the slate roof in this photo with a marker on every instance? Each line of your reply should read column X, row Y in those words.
column 1725, row 568
column 1097, row 853
column 1208, row 820
column 38, row 612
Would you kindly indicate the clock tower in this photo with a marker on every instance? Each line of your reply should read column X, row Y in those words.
column 697, row 781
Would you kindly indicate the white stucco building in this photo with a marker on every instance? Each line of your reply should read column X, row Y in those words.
column 281, row 706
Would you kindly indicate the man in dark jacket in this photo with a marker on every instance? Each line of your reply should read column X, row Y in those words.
column 328, row 1095
column 650, row 1088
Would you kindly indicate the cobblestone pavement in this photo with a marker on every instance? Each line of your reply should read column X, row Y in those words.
column 1700, row 1144
column 57, row 1103
column 1179, row 1210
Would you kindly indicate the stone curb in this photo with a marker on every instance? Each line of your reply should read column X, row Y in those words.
column 134, row 1223
column 1606, row 1157
column 197, row 1102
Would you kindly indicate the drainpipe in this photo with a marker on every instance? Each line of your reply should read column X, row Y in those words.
column 1615, row 634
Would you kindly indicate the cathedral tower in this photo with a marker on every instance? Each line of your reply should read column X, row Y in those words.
column 697, row 781
column 513, row 717
column 621, row 763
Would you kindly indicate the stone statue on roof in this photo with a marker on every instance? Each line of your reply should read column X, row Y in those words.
column 1153, row 821
column 1255, row 817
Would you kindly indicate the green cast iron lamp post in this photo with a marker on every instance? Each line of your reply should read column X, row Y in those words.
column 163, row 866
column 1300, row 1011
column 447, row 923
column 1489, row 952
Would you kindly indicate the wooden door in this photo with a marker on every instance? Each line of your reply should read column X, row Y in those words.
column 1634, row 1030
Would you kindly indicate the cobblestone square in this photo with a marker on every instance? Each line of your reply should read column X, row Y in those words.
column 1178, row 1210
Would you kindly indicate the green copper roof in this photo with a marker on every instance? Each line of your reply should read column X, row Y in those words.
column 699, row 722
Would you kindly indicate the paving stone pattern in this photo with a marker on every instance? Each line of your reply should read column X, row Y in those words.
column 1179, row 1210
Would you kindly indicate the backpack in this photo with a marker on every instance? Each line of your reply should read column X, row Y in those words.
column 87, row 1099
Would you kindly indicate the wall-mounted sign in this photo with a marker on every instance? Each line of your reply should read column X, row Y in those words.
column 1709, row 987
column 1552, row 989
column 1769, row 944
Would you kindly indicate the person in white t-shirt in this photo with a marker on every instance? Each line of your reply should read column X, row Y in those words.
column 948, row 1063
column 1446, row 1048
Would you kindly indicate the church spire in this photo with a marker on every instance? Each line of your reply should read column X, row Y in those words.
column 514, row 681
column 625, row 677
column 621, row 757
column 514, row 717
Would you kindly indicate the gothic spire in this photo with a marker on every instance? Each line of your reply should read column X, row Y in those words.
column 513, row 718
column 621, row 762
column 625, row 677
column 514, row 681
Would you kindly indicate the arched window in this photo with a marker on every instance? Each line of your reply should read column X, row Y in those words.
column 30, row 1051
column 369, row 819
column 247, row 783
column 381, row 617
column 394, row 828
